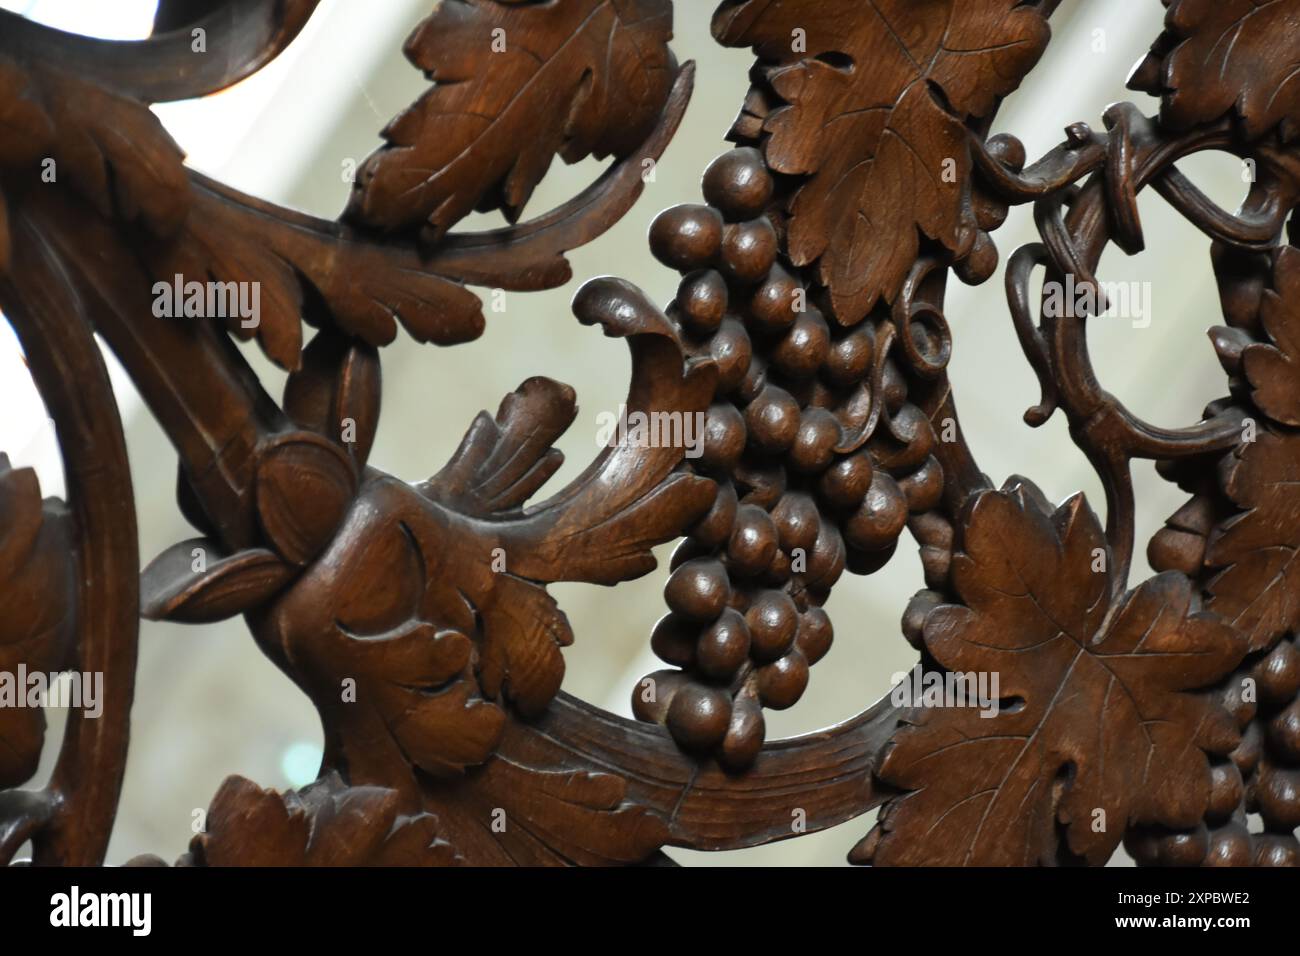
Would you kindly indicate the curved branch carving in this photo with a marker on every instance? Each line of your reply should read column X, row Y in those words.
column 249, row 34
column 71, row 820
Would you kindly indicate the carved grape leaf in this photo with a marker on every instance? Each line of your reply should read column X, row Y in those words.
column 307, row 268
column 325, row 824
column 1273, row 370
column 1258, row 589
column 877, row 95
column 1259, row 581
column 515, row 83
column 231, row 256
column 118, row 154
column 553, row 813
column 111, row 149
column 1097, row 712
column 1221, row 55
column 38, row 595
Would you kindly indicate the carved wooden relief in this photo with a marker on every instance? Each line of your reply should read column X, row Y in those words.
column 808, row 333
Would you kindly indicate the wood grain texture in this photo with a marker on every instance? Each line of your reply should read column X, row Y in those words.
column 807, row 334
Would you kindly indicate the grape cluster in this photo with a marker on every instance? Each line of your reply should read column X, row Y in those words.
column 818, row 456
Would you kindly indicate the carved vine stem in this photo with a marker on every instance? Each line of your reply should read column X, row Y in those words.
column 70, row 821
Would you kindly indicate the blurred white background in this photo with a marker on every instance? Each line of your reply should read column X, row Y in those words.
column 209, row 705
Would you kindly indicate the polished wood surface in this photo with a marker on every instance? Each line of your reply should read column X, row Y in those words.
column 808, row 336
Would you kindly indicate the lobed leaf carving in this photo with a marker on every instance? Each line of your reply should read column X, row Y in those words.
column 1253, row 552
column 1098, row 705
column 1257, row 587
column 875, row 104
column 325, row 824
column 515, row 83
column 113, row 151
column 1217, row 56
column 1273, row 367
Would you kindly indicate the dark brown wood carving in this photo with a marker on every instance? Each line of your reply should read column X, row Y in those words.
column 808, row 331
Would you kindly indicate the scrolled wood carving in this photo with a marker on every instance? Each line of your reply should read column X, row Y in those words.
column 808, row 331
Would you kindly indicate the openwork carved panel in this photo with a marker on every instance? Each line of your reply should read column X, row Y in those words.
column 808, row 341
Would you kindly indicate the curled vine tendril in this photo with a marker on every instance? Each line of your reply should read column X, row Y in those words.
column 1076, row 222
